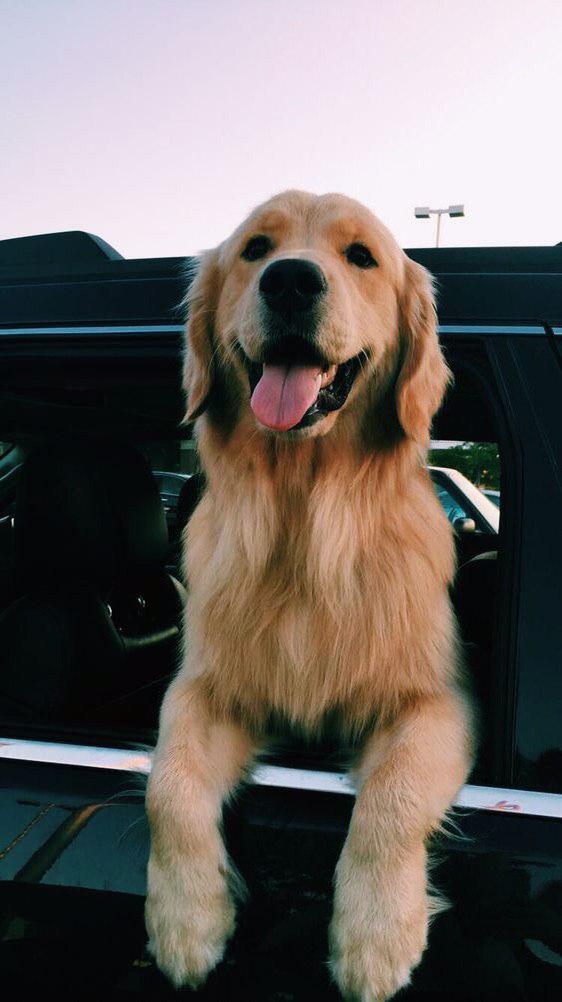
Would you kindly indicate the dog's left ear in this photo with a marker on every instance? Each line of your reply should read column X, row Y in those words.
column 423, row 376
column 202, row 301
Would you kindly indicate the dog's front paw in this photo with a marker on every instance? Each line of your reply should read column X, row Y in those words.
column 376, row 937
column 189, row 918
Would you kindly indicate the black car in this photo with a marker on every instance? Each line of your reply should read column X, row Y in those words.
column 91, row 600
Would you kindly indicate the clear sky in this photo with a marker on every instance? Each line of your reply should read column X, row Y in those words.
column 159, row 123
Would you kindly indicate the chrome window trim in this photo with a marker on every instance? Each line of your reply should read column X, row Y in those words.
column 179, row 328
column 491, row 329
column 110, row 329
column 487, row 798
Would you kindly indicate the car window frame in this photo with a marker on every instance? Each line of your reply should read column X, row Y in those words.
column 475, row 354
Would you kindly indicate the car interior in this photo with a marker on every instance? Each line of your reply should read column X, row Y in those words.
column 91, row 589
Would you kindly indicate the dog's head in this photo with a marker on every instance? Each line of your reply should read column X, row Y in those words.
column 308, row 311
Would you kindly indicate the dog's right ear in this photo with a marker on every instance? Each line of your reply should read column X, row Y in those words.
column 202, row 300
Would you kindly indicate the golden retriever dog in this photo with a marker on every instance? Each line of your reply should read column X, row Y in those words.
column 318, row 562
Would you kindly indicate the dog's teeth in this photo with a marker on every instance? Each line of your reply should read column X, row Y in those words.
column 328, row 376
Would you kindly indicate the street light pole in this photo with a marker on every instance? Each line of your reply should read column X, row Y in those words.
column 439, row 214
column 454, row 211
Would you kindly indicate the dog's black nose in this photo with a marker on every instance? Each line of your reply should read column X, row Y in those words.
column 292, row 285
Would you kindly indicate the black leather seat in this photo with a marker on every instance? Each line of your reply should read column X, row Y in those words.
column 188, row 499
column 7, row 575
column 474, row 598
column 95, row 636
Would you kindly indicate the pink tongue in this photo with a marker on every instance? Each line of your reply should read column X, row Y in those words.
column 284, row 393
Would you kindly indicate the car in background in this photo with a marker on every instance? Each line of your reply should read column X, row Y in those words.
column 493, row 495
column 466, row 506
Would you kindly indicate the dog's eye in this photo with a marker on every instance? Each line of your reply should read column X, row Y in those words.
column 256, row 248
column 361, row 256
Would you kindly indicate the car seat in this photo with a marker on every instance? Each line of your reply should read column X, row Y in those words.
column 94, row 636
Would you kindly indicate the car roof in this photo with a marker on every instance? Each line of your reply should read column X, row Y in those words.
column 77, row 277
column 498, row 285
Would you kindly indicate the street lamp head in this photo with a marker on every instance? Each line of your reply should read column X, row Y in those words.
column 424, row 212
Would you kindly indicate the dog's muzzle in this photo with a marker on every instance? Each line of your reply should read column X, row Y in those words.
column 295, row 386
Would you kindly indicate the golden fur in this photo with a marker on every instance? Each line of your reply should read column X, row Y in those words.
column 318, row 563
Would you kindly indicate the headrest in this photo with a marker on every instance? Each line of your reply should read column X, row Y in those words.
column 88, row 507
column 189, row 497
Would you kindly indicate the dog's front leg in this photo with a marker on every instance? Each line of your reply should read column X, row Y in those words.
column 407, row 777
column 198, row 762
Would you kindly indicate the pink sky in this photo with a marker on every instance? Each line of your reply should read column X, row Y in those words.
column 159, row 123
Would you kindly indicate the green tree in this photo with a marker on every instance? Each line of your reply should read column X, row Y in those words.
column 479, row 461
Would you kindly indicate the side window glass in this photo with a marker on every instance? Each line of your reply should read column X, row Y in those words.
column 177, row 457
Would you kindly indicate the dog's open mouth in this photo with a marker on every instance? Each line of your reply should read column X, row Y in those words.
column 295, row 387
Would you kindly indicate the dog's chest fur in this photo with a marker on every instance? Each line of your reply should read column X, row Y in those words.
column 303, row 601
